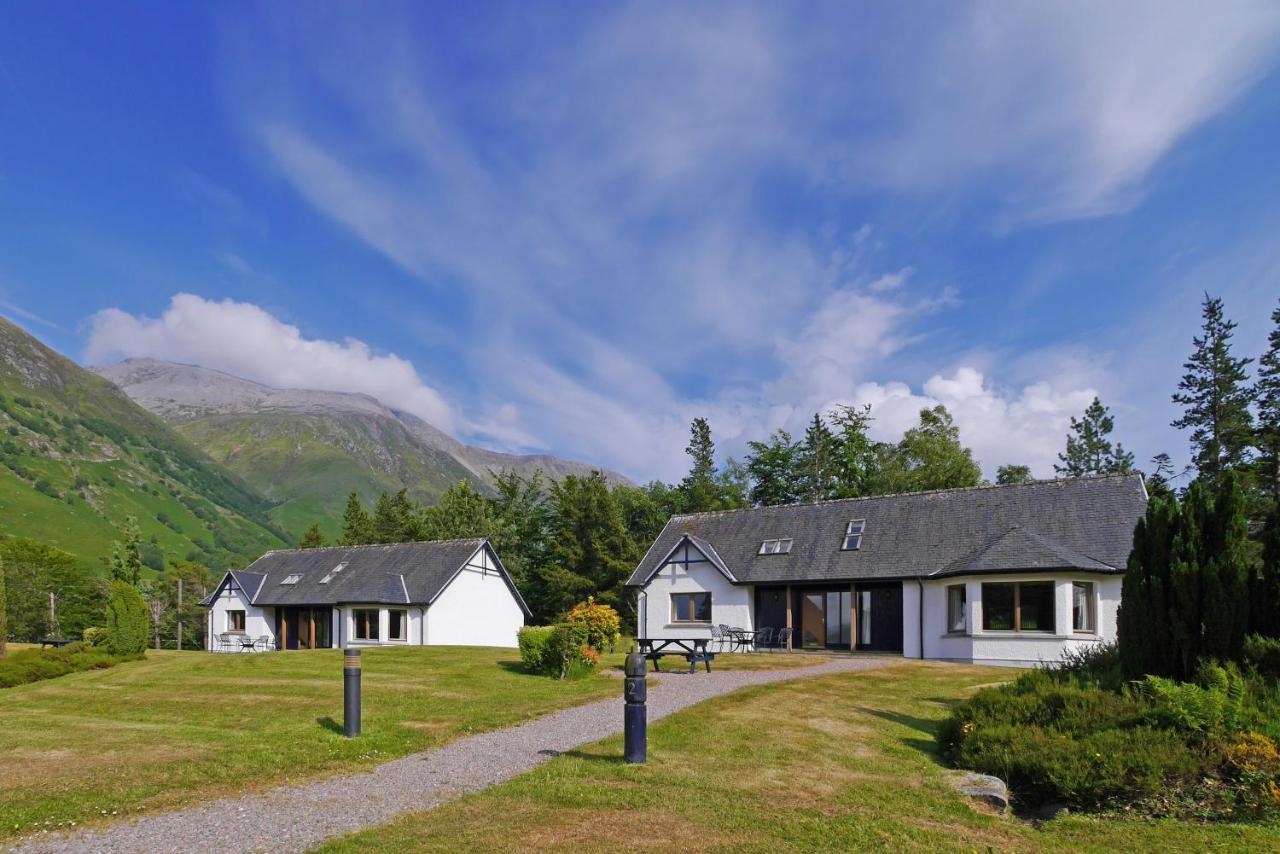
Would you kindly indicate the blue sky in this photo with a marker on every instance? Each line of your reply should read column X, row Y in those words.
column 572, row 228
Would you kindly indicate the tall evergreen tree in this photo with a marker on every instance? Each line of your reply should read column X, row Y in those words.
column 816, row 461
column 1267, row 395
column 855, row 452
column 396, row 519
column 461, row 512
column 357, row 527
column 1214, row 394
column 774, row 470
column 699, row 485
column 734, row 485
column 126, row 557
column 1010, row 474
column 312, row 538
column 1089, row 451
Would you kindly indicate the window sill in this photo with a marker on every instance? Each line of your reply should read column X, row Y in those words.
column 1010, row 634
column 956, row 635
column 687, row 626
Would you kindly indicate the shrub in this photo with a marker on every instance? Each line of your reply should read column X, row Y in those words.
column 95, row 636
column 602, row 624
column 1216, row 705
column 128, row 620
column 1262, row 655
column 535, row 648
column 34, row 665
column 1095, row 664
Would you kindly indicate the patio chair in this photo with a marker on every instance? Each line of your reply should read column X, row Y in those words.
column 263, row 643
column 764, row 638
column 784, row 635
column 717, row 637
column 222, row 642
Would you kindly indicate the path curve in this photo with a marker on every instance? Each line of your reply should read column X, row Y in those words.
column 298, row 817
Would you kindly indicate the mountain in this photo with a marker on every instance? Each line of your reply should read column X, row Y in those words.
column 77, row 457
column 309, row 449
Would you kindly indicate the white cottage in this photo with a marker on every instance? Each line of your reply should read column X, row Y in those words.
column 1013, row 575
column 445, row 593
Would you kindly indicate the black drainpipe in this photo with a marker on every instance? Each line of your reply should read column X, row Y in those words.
column 920, row 618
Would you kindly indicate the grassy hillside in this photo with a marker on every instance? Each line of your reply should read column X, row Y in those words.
column 309, row 463
column 77, row 457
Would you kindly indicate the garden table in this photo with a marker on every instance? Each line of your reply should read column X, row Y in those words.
column 693, row 650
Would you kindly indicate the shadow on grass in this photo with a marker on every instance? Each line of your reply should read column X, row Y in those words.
column 516, row 667
column 589, row 756
column 925, row 726
column 330, row 724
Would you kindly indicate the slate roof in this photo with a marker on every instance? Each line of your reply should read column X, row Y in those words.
column 1083, row 524
column 392, row 574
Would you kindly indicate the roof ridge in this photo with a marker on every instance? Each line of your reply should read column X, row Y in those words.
column 376, row 545
column 955, row 489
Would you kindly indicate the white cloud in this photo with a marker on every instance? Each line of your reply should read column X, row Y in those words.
column 246, row 341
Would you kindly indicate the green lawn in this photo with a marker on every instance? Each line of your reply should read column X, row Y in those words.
column 183, row 727
column 837, row 763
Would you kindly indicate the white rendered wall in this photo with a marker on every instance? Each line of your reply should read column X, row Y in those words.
column 731, row 604
column 476, row 608
column 1026, row 649
column 257, row 621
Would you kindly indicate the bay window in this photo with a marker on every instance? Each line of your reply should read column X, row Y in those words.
column 1018, row 606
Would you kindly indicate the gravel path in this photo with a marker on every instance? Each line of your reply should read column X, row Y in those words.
column 296, row 818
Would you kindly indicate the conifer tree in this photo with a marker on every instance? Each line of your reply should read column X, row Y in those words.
column 312, row 538
column 774, row 471
column 699, row 485
column 855, row 452
column 396, row 520
column 816, row 460
column 126, row 557
column 4, row 622
column 1267, row 396
column 1089, row 451
column 357, row 527
column 1215, row 396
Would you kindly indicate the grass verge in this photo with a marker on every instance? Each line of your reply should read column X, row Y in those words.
column 842, row 762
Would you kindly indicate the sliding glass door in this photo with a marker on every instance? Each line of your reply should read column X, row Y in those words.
column 838, row 616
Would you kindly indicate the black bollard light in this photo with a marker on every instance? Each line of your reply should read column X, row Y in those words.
column 351, row 693
column 635, row 720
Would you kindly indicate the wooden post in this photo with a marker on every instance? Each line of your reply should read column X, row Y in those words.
column 179, row 612
column 790, row 634
column 853, row 617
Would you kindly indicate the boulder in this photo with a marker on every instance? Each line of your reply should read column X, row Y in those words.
column 985, row 788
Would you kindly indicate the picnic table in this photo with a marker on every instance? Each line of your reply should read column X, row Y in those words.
column 56, row 643
column 693, row 650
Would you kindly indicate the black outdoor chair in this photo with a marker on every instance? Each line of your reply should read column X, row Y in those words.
column 764, row 638
column 263, row 644
column 717, row 636
column 784, row 635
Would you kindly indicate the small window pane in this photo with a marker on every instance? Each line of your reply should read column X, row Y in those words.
column 852, row 542
column 366, row 620
column 1037, row 606
column 997, row 607
column 1082, row 608
column 235, row 621
column 691, row 607
column 397, row 628
column 956, row 621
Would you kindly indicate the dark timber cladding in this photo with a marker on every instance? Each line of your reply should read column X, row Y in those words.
column 1079, row 524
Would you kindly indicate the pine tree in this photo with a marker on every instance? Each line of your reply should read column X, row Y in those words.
column 357, row 527
column 396, row 519
column 699, row 485
column 126, row 557
column 1089, row 451
column 591, row 552
column 312, row 539
column 774, row 471
column 816, row 460
column 733, row 484
column 1011, row 474
column 1215, row 398
column 855, row 452
column 1267, row 395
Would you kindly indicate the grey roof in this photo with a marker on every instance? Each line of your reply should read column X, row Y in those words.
column 392, row 574
column 249, row 582
column 1083, row 524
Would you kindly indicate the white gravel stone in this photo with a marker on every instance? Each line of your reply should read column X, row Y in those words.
column 296, row 818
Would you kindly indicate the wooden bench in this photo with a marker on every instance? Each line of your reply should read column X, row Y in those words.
column 692, row 650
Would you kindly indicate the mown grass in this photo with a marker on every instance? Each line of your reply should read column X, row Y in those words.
column 833, row 763
column 184, row 727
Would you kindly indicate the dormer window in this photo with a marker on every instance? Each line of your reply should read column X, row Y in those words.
column 331, row 573
column 853, row 535
column 776, row 547
column 291, row 579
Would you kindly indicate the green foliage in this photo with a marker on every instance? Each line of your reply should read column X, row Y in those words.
column 35, row 665
column 312, row 539
column 126, row 557
column 930, row 456
column 128, row 620
column 1214, row 705
column 535, row 649
column 357, row 526
column 94, row 636
column 33, row 571
column 1089, row 451
column 773, row 466
column 817, row 461
column 1008, row 475
column 1215, row 397
column 561, row 650
column 699, row 485
column 4, row 622
column 1185, row 594
column 1266, row 394
column 1262, row 655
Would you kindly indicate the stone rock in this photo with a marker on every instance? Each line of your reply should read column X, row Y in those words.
column 985, row 788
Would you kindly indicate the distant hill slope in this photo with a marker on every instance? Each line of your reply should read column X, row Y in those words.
column 309, row 449
column 77, row 456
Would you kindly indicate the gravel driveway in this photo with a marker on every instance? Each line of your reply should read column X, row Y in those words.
column 295, row 818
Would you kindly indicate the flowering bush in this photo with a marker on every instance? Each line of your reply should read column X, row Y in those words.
column 601, row 623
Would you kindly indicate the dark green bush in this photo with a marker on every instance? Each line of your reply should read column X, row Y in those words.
column 128, row 620
column 535, row 648
column 34, row 665
column 560, row 650
column 1262, row 656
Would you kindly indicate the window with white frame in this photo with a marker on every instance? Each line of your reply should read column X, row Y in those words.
column 853, row 535
column 366, row 620
column 775, row 547
column 397, row 625
column 957, row 621
column 1084, row 614
column 291, row 579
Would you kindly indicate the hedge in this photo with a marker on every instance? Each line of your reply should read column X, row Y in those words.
column 34, row 665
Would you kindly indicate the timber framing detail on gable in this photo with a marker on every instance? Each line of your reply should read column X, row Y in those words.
column 703, row 548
